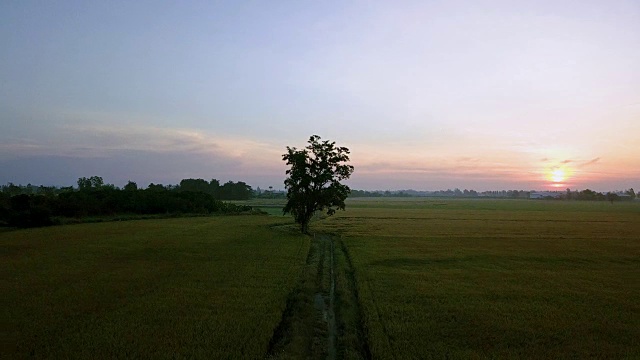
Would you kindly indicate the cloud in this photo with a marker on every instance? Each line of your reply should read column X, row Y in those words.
column 471, row 168
column 467, row 160
column 20, row 147
column 590, row 162
column 139, row 153
column 90, row 141
column 579, row 163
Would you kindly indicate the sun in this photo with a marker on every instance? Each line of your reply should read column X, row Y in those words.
column 558, row 175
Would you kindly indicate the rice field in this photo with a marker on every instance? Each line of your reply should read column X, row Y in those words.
column 494, row 278
column 211, row 287
column 405, row 278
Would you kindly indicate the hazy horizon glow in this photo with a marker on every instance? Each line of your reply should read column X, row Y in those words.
column 482, row 95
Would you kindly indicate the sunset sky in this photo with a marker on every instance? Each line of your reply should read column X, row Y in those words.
column 428, row 95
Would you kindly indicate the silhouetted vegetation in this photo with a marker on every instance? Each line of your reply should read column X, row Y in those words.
column 313, row 179
column 588, row 194
column 455, row 193
column 33, row 206
column 269, row 194
column 584, row 195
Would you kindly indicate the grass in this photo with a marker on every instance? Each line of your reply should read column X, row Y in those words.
column 414, row 278
column 210, row 287
column 495, row 279
column 272, row 207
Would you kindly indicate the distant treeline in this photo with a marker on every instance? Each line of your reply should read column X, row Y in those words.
column 598, row 196
column 441, row 193
column 30, row 206
column 269, row 194
column 587, row 195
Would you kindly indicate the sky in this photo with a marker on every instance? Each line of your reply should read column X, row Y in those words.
column 427, row 95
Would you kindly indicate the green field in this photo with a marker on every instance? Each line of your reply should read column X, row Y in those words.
column 401, row 278
column 272, row 207
column 210, row 287
column 495, row 279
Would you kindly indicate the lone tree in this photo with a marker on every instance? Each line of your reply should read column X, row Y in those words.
column 313, row 182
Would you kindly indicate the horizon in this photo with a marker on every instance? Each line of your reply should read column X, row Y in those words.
column 283, row 190
column 482, row 95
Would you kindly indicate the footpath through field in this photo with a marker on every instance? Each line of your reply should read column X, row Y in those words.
column 323, row 319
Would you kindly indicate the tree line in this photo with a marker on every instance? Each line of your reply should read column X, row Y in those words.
column 588, row 194
column 457, row 193
column 31, row 206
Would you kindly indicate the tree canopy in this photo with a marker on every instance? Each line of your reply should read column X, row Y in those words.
column 31, row 206
column 313, row 182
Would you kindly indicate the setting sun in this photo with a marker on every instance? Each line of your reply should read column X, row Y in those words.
column 558, row 175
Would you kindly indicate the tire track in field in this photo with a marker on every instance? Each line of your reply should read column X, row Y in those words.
column 311, row 326
column 304, row 331
column 357, row 323
column 331, row 319
column 366, row 350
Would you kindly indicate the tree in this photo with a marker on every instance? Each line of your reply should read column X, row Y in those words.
column 631, row 193
column 131, row 186
column 235, row 191
column 313, row 182
column 94, row 182
column 612, row 197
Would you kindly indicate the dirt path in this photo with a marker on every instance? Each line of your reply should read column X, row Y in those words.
column 330, row 310
column 323, row 318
